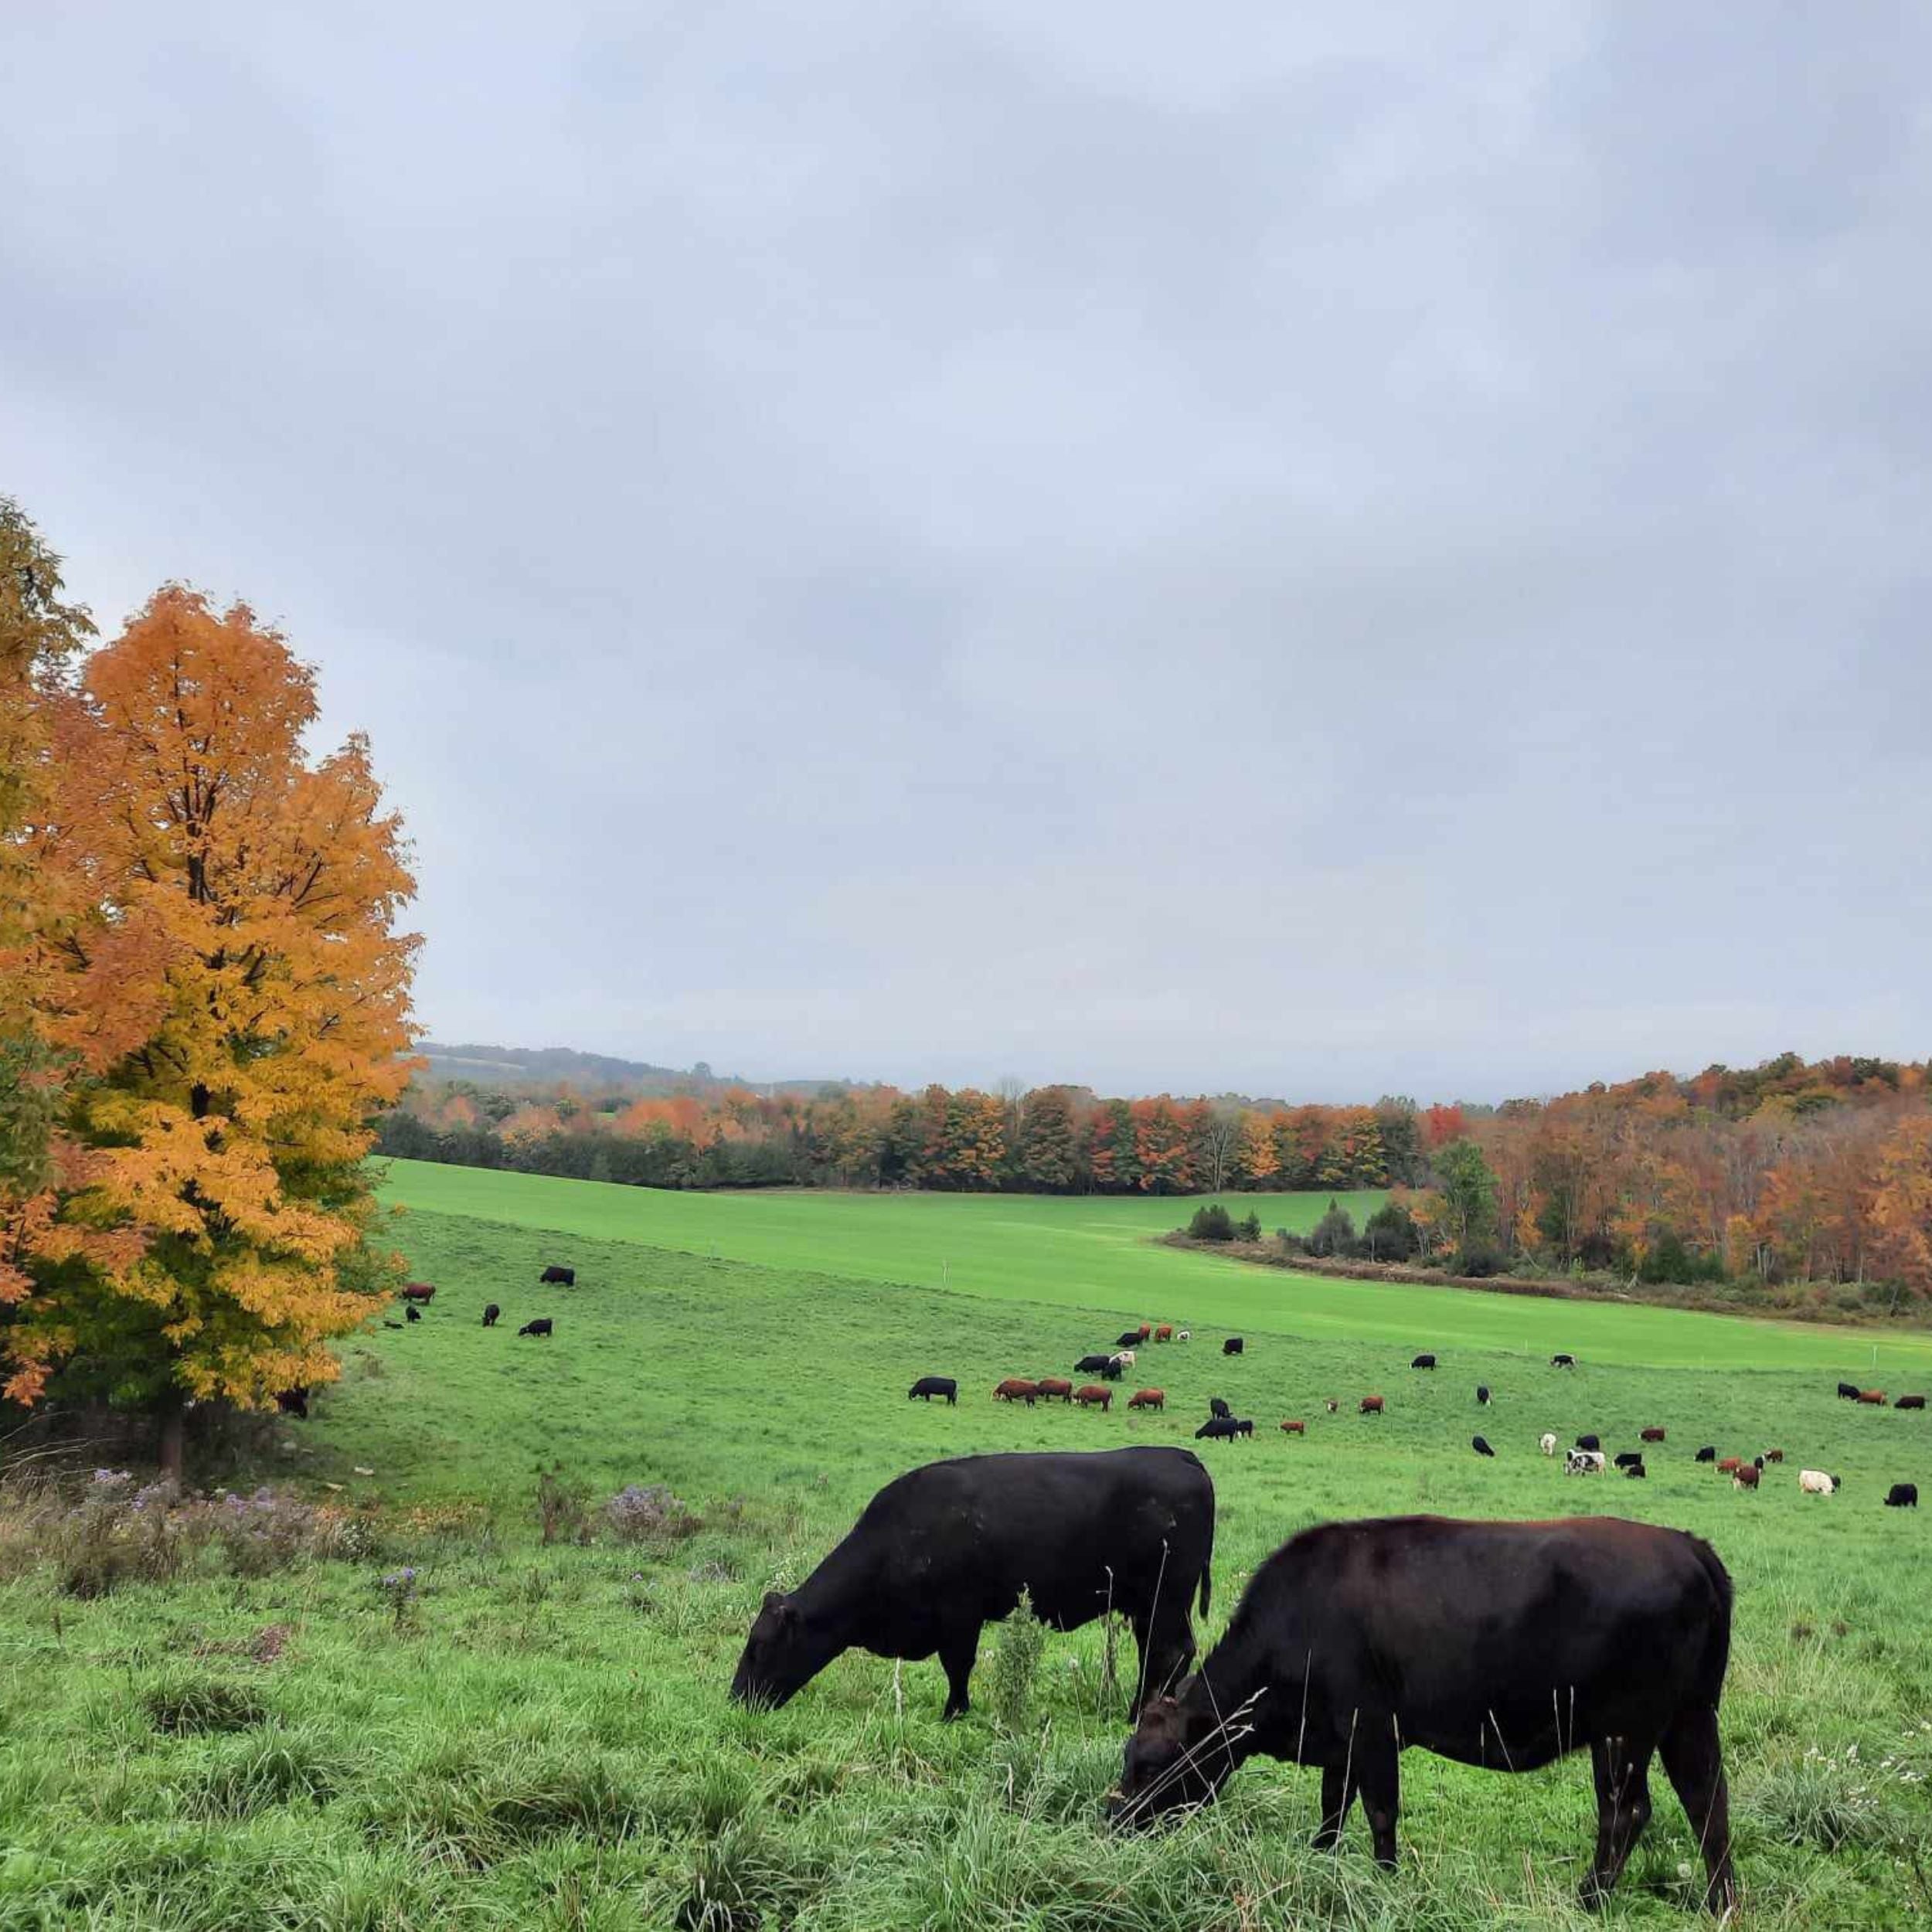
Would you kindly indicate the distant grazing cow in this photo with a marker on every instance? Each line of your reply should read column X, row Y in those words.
column 1423, row 1361
column 1217, row 1407
column 944, row 1549
column 1183, row 1334
column 1902, row 1495
column 1128, row 1340
column 1707, row 1453
column 561, row 1277
column 1637, row 1470
column 1482, row 1393
column 1583, row 1462
column 1730, row 1465
column 1243, row 1426
column 1480, row 1447
column 1147, row 1398
column 1546, row 1442
column 1814, row 1482
column 1502, row 1644
column 1053, row 1387
column 1232, row 1345
column 1144, row 1333
column 1091, row 1365
column 1650, row 1435
column 1910, row 1401
column 1333, row 1405
column 1589, row 1442
column 1747, row 1477
column 1627, row 1458
column 1017, row 1388
column 1220, row 1429
column 412, row 1313
column 1295, row 1428
column 1847, row 1392
column 1562, row 1362
column 1125, row 1359
column 543, row 1325
column 1774, row 1455
column 1873, row 1398
column 1092, row 1394
column 419, row 1291
column 1165, row 1332
column 293, row 1402
column 491, row 1315
column 927, row 1386
column 1371, row 1406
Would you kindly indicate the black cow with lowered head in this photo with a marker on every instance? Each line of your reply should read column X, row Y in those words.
column 1707, row 1453
column 1590, row 1442
column 1423, row 1361
column 561, row 1277
column 1562, row 1362
column 1482, row 1393
column 1224, row 1429
column 1902, row 1495
column 543, row 1325
column 1093, row 1364
column 1218, row 1408
column 1357, row 1640
column 1482, row 1447
column 1233, row 1345
column 1847, row 1392
column 945, row 1549
column 927, row 1386
column 293, row 1402
column 412, row 1313
column 491, row 1315
column 1910, row 1401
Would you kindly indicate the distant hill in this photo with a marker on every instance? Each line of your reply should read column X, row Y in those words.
column 547, row 1066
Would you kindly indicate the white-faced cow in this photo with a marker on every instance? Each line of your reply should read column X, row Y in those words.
column 945, row 1549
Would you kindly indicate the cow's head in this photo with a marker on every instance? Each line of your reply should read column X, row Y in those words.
column 786, row 1650
column 1177, row 1757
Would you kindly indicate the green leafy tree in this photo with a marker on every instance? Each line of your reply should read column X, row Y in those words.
column 1468, row 1193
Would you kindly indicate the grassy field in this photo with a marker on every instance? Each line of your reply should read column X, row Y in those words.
column 541, row 1738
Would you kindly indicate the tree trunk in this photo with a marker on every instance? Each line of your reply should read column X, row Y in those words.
column 173, row 1436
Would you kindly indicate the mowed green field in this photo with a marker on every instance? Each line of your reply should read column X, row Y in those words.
column 545, row 1741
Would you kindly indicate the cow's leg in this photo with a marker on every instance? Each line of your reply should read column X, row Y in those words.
column 1337, row 1793
column 956, row 1651
column 1166, row 1644
column 1622, row 1770
column 1379, row 1778
column 1695, row 1759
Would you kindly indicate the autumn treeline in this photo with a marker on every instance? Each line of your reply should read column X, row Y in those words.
column 204, row 1003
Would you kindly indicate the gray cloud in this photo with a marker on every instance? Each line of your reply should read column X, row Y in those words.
column 1320, row 555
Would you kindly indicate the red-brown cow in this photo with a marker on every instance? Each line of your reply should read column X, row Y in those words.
column 1774, row 1455
column 1165, row 1332
column 1093, row 1393
column 1146, row 1331
column 1017, row 1388
column 1050, row 1386
column 1747, row 1477
column 1650, row 1435
column 1147, row 1398
column 1295, row 1428
column 419, row 1291
column 1873, row 1398
column 1372, row 1405
column 1730, row 1465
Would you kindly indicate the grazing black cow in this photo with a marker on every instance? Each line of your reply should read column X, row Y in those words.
column 1562, row 1362
column 1356, row 1640
column 396, row 1325
column 1910, row 1401
column 412, row 1313
column 1902, row 1495
column 1637, row 1472
column 543, row 1325
column 491, row 1314
column 1589, row 1442
column 1223, row 1429
column 1133, row 1339
column 1847, row 1392
column 1628, row 1458
column 563, row 1277
column 1482, row 1393
column 1217, row 1407
column 1423, row 1361
column 927, row 1386
column 1232, row 1346
column 1093, row 1364
column 293, row 1402
column 1480, row 1447
column 944, row 1549
column 1707, row 1453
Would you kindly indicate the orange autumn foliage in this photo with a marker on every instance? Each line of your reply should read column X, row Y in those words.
column 222, row 966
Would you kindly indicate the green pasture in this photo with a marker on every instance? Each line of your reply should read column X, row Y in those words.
column 543, row 1740
column 1098, row 1253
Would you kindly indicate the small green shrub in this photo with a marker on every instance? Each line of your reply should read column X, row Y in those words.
column 1016, row 1655
column 1212, row 1223
column 183, row 1705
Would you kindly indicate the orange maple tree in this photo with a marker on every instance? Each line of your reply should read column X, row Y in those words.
column 222, row 964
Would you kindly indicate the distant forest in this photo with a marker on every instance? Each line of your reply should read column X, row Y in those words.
column 1815, row 1173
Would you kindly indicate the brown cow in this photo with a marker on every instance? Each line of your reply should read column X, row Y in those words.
column 1730, row 1465
column 424, row 1291
column 1650, row 1435
column 1147, row 1330
column 1873, row 1398
column 1092, row 1394
column 1372, row 1405
column 1747, row 1477
column 1333, row 1405
column 1147, row 1398
column 1165, row 1332
column 1052, row 1385
column 1295, row 1428
column 1017, row 1388
column 1774, row 1455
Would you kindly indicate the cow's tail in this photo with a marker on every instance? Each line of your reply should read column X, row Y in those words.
column 1207, row 1587
column 1717, row 1646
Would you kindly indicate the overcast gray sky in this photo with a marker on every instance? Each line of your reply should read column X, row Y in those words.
column 1318, row 550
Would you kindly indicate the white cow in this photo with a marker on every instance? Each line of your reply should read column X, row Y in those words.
column 1816, row 1482
column 1546, row 1442
column 1125, row 1358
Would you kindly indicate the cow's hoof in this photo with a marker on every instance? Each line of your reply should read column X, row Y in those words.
column 1592, row 1895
